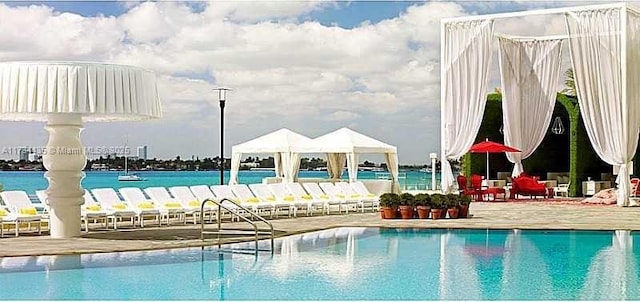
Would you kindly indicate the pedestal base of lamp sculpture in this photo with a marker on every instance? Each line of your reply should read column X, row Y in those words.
column 64, row 221
column 64, row 158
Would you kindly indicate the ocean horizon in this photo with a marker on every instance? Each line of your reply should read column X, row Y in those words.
column 30, row 181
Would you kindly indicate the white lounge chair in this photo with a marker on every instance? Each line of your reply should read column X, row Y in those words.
column 109, row 200
column 90, row 210
column 202, row 192
column 223, row 192
column 190, row 202
column 144, row 206
column 361, row 189
column 160, row 195
column 263, row 192
column 281, row 193
column 336, row 194
column 18, row 210
column 299, row 192
column 316, row 192
column 562, row 190
column 351, row 194
column 248, row 200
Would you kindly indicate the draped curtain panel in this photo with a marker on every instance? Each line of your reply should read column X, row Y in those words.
column 466, row 58
column 277, row 164
column 607, row 84
column 530, row 71
column 335, row 164
column 285, row 164
column 352, row 166
column 290, row 165
column 392, row 165
column 235, row 166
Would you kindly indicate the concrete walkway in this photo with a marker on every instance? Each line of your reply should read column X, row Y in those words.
column 520, row 215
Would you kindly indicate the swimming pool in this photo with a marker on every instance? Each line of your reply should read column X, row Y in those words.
column 350, row 264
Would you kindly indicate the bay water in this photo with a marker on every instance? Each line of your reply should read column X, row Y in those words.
column 30, row 181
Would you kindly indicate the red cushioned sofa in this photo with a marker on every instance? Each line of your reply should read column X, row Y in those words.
column 527, row 185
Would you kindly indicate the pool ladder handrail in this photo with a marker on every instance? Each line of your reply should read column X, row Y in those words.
column 253, row 214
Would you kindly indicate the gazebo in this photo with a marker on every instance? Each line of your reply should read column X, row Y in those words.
column 283, row 144
column 604, row 46
column 344, row 145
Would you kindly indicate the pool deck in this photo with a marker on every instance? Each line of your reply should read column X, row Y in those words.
column 499, row 215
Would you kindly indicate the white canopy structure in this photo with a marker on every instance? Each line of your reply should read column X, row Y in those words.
column 345, row 144
column 283, row 144
column 604, row 44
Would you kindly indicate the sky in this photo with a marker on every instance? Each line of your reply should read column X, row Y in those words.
column 309, row 66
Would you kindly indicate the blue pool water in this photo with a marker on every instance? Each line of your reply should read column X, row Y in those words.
column 350, row 264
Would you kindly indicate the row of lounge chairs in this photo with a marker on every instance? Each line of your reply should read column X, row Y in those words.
column 183, row 203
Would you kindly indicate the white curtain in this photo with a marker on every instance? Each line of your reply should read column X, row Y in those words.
column 607, row 85
column 530, row 71
column 335, row 164
column 290, row 166
column 352, row 166
column 277, row 164
column 235, row 166
column 392, row 165
column 466, row 58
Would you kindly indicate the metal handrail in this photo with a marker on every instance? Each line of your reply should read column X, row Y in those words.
column 219, row 216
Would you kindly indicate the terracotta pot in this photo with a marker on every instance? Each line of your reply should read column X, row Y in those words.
column 443, row 214
column 423, row 212
column 381, row 214
column 453, row 212
column 406, row 212
column 389, row 213
column 464, row 211
column 436, row 213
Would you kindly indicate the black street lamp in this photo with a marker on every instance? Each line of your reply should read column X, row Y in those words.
column 222, row 97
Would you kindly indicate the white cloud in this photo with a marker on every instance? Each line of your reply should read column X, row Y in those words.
column 382, row 78
column 342, row 116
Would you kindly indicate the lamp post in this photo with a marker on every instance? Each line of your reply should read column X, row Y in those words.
column 222, row 97
column 434, row 157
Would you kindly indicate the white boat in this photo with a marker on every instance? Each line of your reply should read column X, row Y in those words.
column 130, row 177
column 127, row 176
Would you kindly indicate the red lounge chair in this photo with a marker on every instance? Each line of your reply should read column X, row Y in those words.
column 526, row 185
column 462, row 186
column 476, row 186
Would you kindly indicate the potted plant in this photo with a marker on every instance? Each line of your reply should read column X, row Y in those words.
column 452, row 203
column 464, row 206
column 389, row 204
column 406, row 205
column 423, row 207
column 436, row 206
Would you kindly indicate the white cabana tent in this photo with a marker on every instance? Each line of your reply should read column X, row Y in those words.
column 282, row 144
column 344, row 145
column 604, row 44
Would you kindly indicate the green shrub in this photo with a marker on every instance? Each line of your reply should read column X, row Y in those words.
column 437, row 200
column 407, row 199
column 465, row 199
column 452, row 200
column 389, row 200
column 422, row 199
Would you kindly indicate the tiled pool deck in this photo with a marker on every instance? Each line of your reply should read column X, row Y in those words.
column 519, row 215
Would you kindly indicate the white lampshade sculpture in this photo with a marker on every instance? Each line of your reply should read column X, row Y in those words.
column 66, row 94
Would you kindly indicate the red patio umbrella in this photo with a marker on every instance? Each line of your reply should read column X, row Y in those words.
column 491, row 147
